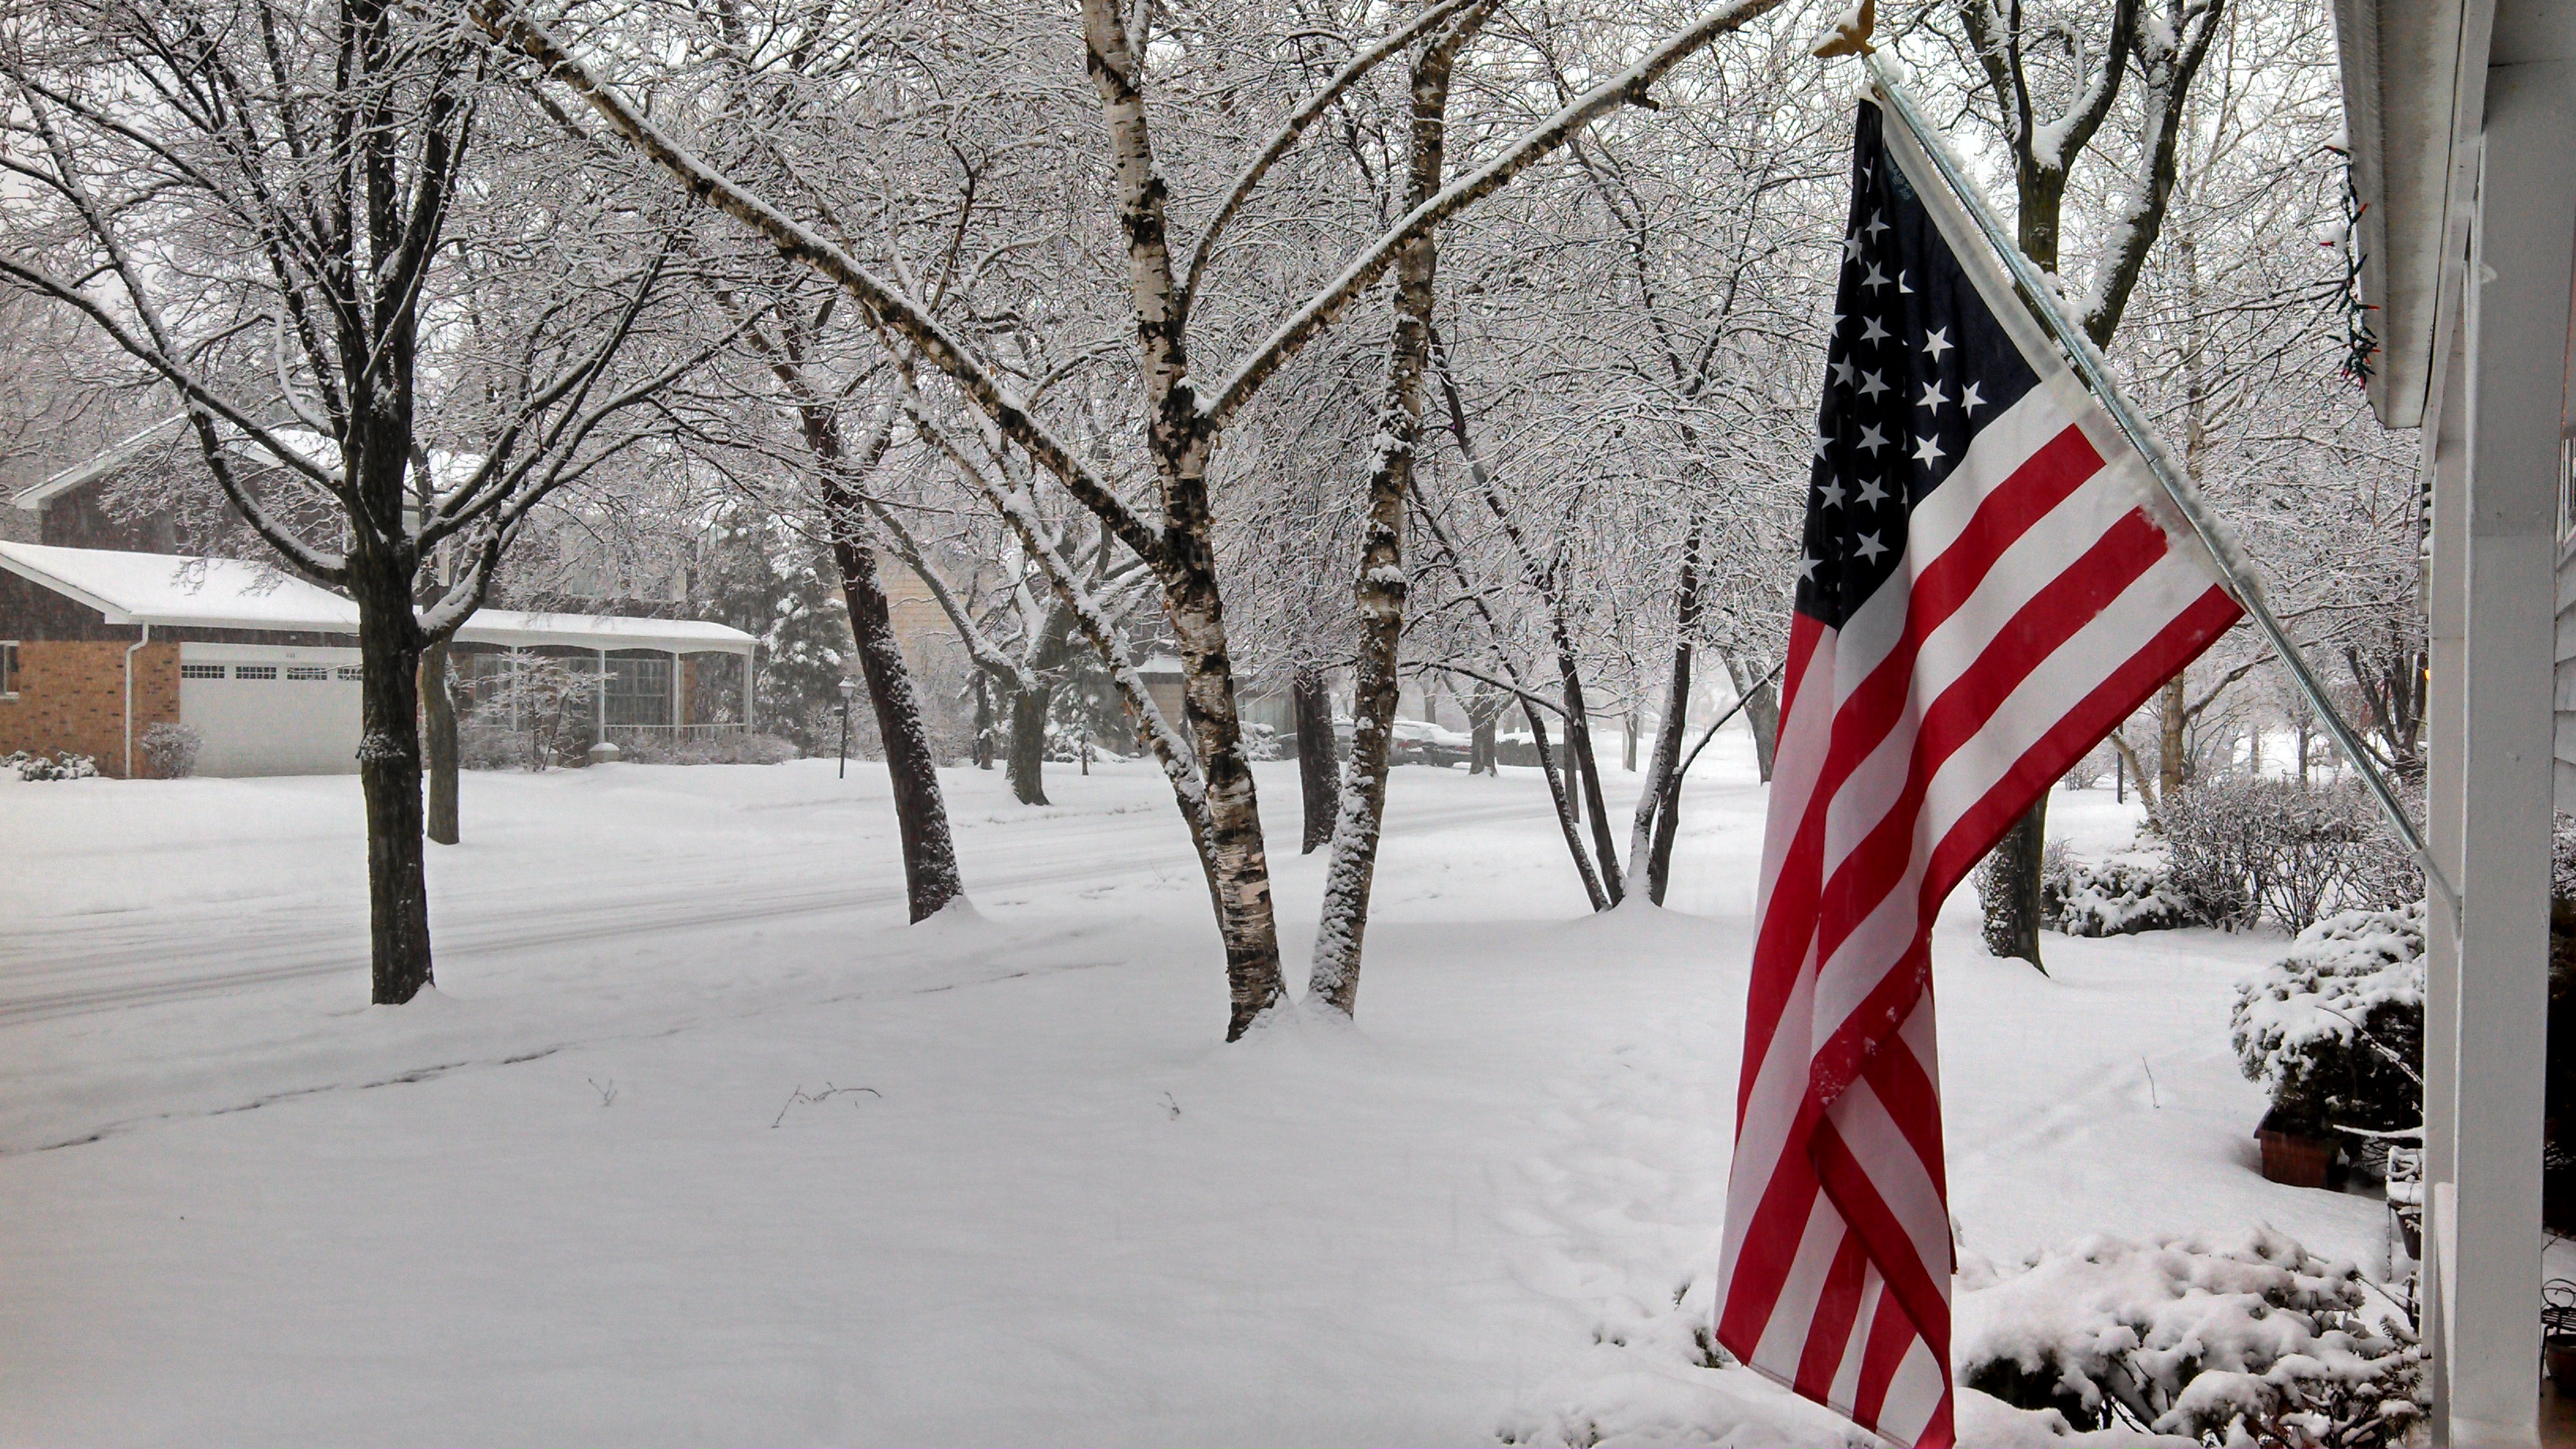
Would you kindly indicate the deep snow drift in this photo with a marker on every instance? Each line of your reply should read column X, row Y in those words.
column 698, row 1142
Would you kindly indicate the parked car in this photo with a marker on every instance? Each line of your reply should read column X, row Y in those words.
column 1420, row 742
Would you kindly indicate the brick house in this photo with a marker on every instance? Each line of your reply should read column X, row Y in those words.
column 98, row 645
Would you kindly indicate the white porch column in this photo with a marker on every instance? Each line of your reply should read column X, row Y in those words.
column 600, row 697
column 2517, row 316
column 2446, row 723
column 747, row 692
column 676, row 700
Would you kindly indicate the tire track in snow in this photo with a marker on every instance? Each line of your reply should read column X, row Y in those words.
column 187, row 953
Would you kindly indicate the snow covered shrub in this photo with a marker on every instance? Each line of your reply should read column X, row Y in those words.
column 61, row 765
column 724, row 749
column 2263, row 1343
column 2335, row 1029
column 2562, row 856
column 2242, row 848
column 2120, row 896
column 171, row 749
column 485, row 746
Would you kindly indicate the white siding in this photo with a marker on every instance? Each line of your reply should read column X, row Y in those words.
column 2563, row 681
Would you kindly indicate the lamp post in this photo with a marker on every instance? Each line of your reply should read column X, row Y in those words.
column 848, row 688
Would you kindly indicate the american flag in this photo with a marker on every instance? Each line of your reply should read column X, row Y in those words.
column 1991, row 581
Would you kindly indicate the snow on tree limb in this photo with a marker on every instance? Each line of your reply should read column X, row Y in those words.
column 513, row 28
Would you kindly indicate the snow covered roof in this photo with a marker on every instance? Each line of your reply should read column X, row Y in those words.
column 599, row 631
column 219, row 593
column 448, row 470
column 34, row 496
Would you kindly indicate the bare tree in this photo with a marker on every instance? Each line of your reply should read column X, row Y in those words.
column 270, row 237
column 1185, row 415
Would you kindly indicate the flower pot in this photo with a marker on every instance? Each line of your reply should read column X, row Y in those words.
column 2561, row 1354
column 2295, row 1159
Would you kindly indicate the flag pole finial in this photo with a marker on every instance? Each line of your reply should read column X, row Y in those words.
column 1851, row 32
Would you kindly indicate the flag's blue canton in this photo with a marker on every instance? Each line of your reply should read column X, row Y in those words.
column 1916, row 366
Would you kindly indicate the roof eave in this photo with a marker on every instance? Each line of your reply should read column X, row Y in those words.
column 2406, row 109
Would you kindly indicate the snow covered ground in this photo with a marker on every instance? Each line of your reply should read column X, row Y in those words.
column 698, row 1142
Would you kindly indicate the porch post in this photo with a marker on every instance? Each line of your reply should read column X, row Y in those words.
column 747, row 693
column 2517, row 317
column 2446, row 451
column 600, row 698
column 676, row 699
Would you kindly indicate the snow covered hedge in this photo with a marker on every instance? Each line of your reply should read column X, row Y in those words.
column 2335, row 1028
column 61, row 765
column 2128, row 893
column 2263, row 1343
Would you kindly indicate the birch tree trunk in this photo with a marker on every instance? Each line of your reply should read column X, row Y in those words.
column 1381, row 588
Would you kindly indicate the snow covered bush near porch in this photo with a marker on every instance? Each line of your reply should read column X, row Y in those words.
column 2259, row 1343
column 2128, row 893
column 2334, row 1029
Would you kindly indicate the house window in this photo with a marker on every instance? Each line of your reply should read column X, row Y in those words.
column 350, row 674
column 8, row 669
column 308, row 671
column 201, row 671
column 639, row 691
column 254, row 671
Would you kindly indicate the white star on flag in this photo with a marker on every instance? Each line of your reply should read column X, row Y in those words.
column 1927, row 450
column 1937, row 341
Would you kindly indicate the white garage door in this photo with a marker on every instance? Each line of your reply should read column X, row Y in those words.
column 269, row 710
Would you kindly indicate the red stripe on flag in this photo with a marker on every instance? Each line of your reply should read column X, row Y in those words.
column 1891, row 1333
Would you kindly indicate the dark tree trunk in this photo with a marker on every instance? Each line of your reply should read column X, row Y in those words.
column 1026, row 757
column 983, row 723
column 2012, row 877
column 1569, row 816
column 2173, row 760
column 438, row 734
column 1659, row 810
column 1316, row 751
column 930, row 873
column 1586, row 776
column 1761, row 709
column 389, row 650
column 1659, row 863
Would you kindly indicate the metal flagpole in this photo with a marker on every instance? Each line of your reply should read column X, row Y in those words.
column 2089, row 364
